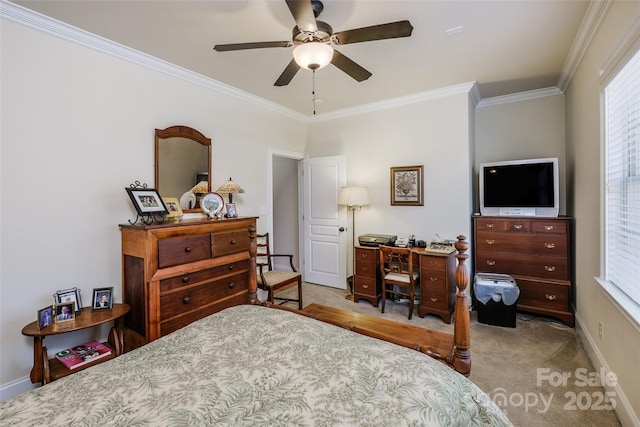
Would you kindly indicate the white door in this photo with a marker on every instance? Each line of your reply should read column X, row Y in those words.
column 324, row 222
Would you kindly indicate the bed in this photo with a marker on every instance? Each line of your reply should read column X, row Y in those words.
column 255, row 365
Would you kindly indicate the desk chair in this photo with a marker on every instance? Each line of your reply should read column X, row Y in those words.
column 398, row 276
column 272, row 280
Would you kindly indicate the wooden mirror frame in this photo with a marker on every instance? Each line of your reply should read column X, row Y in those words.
column 180, row 132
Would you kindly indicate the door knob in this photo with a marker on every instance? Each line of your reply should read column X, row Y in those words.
column 341, row 229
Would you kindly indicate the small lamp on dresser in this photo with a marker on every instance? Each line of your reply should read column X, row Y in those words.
column 353, row 198
column 230, row 188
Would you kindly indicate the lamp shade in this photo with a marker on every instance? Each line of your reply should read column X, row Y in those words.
column 229, row 187
column 353, row 196
column 313, row 55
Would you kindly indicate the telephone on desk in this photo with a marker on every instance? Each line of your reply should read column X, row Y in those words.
column 445, row 247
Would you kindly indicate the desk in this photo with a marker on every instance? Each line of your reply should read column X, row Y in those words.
column 437, row 280
column 46, row 370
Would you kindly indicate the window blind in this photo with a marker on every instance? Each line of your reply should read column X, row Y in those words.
column 622, row 180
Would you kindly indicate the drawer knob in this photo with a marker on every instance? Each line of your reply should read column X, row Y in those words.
column 365, row 286
column 185, row 279
column 549, row 268
column 364, row 268
column 432, row 262
column 517, row 226
column 491, row 262
column 490, row 225
column 550, row 297
column 186, row 300
column 233, row 242
column 232, row 267
column 434, row 299
column 490, row 241
column 550, row 245
column 548, row 227
column 231, row 285
column 187, row 249
column 433, row 279
column 364, row 255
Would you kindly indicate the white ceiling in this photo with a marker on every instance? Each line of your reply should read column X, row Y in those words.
column 507, row 46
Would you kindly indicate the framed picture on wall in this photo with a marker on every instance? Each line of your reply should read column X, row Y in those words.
column 407, row 184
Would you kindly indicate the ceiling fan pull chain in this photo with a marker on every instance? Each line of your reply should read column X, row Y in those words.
column 313, row 90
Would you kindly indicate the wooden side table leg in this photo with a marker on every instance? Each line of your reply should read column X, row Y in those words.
column 114, row 336
column 37, row 372
column 46, row 378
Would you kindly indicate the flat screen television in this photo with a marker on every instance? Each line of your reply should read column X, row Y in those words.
column 520, row 188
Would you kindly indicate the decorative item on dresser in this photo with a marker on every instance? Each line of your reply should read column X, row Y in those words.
column 176, row 273
column 536, row 252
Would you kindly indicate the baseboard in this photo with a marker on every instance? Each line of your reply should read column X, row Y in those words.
column 14, row 388
column 624, row 410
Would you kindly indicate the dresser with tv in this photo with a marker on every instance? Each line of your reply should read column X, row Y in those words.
column 536, row 252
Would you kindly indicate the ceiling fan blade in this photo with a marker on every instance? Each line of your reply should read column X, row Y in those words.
column 254, row 45
column 391, row 30
column 349, row 67
column 302, row 12
column 287, row 74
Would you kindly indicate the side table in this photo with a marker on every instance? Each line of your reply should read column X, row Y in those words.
column 46, row 370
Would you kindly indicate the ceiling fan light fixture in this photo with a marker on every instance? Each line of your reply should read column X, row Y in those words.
column 313, row 55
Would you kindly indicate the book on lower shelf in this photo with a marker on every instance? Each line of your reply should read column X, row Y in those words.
column 82, row 354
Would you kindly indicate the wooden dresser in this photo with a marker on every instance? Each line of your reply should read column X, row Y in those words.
column 437, row 284
column 536, row 252
column 178, row 272
column 367, row 284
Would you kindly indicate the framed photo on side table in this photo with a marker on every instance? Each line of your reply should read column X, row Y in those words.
column 45, row 317
column 407, row 186
column 64, row 312
column 68, row 295
column 102, row 299
column 146, row 201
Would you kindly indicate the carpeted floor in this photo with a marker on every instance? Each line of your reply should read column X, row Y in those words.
column 520, row 368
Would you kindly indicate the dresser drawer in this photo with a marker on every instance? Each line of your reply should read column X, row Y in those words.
column 366, row 268
column 366, row 286
column 184, row 249
column 543, row 295
column 230, row 242
column 428, row 263
column 550, row 244
column 550, row 227
column 436, row 298
column 503, row 224
column 523, row 265
column 191, row 298
column 196, row 277
column 433, row 279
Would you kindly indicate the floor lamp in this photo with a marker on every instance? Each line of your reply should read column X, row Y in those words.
column 353, row 198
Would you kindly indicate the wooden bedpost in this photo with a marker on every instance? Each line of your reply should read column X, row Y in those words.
column 253, row 250
column 461, row 357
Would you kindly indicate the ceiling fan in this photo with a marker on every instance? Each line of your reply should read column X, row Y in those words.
column 314, row 39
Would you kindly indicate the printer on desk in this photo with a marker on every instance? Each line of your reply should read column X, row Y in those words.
column 377, row 240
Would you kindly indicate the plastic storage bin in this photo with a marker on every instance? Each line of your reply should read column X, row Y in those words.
column 496, row 298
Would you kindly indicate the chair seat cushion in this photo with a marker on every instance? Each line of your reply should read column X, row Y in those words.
column 273, row 277
column 397, row 277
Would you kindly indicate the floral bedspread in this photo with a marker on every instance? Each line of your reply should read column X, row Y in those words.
column 256, row 366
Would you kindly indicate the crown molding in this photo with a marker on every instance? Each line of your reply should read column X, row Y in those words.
column 45, row 24
column 521, row 96
column 396, row 102
column 596, row 12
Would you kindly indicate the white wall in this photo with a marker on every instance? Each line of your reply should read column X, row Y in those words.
column 619, row 350
column 433, row 132
column 77, row 128
column 522, row 129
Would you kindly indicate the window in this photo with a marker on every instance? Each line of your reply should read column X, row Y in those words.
column 622, row 184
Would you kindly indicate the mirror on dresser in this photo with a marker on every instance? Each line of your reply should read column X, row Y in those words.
column 182, row 159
